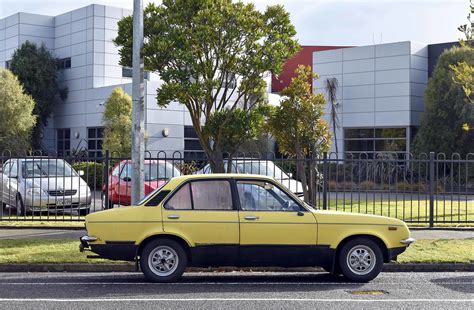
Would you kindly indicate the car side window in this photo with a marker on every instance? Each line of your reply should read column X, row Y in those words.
column 126, row 171
column 116, row 170
column 181, row 200
column 202, row 195
column 264, row 196
column 211, row 195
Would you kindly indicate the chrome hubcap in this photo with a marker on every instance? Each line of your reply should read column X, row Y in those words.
column 361, row 259
column 163, row 261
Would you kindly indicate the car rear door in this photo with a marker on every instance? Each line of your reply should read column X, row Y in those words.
column 203, row 212
column 274, row 228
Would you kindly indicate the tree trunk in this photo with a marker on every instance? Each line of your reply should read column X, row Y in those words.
column 301, row 172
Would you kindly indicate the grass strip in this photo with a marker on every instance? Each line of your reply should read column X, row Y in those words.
column 58, row 251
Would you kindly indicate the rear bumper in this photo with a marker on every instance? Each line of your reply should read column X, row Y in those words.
column 113, row 250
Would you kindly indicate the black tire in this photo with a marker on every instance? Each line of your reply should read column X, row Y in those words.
column 20, row 206
column 84, row 212
column 152, row 250
column 360, row 260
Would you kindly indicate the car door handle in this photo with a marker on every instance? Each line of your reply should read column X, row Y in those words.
column 251, row 217
column 173, row 216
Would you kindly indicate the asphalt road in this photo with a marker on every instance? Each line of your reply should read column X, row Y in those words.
column 235, row 291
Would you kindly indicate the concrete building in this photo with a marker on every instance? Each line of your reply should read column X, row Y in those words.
column 380, row 96
column 89, row 68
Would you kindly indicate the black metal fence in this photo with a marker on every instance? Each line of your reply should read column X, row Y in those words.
column 428, row 189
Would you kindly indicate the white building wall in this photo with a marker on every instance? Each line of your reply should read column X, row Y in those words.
column 379, row 85
column 85, row 35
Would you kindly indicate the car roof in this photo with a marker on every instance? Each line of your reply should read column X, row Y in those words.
column 222, row 176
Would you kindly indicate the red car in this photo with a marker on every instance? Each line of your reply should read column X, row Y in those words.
column 157, row 172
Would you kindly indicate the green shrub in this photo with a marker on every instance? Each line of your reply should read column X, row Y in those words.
column 93, row 173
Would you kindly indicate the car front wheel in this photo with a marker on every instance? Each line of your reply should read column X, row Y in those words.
column 361, row 260
column 163, row 260
column 20, row 206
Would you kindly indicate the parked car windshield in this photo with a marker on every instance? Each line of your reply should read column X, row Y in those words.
column 262, row 167
column 40, row 168
column 154, row 171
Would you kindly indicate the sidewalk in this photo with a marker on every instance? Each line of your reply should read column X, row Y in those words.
column 31, row 233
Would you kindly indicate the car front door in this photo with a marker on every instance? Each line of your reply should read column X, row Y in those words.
column 203, row 212
column 275, row 229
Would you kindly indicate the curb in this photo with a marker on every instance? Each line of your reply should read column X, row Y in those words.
column 131, row 268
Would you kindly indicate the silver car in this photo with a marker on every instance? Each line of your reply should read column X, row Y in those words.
column 43, row 184
column 263, row 167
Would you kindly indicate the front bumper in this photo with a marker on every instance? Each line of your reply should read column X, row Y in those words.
column 40, row 203
column 407, row 241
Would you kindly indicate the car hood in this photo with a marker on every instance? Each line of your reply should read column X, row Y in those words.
column 56, row 183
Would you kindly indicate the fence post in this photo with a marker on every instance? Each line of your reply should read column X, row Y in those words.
column 325, row 181
column 432, row 188
column 105, row 175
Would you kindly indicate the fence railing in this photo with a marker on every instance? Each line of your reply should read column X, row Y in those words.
column 428, row 189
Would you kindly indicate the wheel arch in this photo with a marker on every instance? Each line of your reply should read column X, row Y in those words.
column 379, row 241
column 184, row 243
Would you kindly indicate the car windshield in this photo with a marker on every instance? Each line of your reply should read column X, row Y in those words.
column 40, row 168
column 267, row 168
column 154, row 171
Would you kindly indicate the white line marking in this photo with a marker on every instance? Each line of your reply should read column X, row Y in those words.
column 224, row 283
column 229, row 299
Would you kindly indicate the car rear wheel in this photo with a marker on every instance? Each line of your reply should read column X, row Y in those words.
column 20, row 206
column 163, row 260
column 360, row 260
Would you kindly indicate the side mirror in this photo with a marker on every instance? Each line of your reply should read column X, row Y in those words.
column 81, row 173
column 290, row 174
column 127, row 179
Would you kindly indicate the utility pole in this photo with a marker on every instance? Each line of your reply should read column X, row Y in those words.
column 138, row 106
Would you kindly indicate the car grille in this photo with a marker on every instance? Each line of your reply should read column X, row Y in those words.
column 68, row 192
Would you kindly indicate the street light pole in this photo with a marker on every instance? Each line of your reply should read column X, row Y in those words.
column 138, row 108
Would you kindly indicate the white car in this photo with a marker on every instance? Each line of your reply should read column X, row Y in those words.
column 262, row 167
column 43, row 184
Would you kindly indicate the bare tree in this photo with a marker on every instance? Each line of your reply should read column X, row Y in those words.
column 332, row 85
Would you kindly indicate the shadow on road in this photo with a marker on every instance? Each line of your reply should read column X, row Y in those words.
column 463, row 288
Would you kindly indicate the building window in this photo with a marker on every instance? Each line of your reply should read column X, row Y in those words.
column 95, row 137
column 375, row 140
column 7, row 64
column 127, row 72
column 192, row 147
column 64, row 63
column 63, row 141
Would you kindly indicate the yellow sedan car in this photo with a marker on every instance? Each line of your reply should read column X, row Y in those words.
column 241, row 220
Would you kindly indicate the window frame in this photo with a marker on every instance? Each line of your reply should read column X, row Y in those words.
column 275, row 184
column 178, row 188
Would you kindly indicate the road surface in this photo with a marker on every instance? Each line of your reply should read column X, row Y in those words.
column 235, row 291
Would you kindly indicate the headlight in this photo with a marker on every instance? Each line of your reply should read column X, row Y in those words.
column 36, row 191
